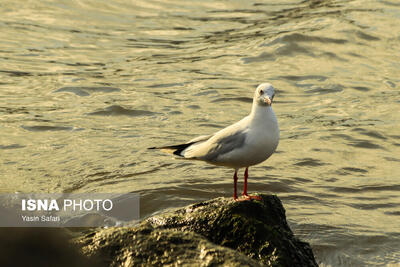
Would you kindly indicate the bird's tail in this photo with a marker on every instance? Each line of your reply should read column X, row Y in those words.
column 175, row 149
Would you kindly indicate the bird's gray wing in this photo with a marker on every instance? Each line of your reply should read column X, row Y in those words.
column 219, row 144
column 200, row 138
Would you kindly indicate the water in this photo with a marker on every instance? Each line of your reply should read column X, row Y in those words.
column 87, row 86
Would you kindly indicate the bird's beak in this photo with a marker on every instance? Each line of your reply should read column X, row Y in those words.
column 267, row 101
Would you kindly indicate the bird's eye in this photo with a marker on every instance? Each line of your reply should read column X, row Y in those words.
column 261, row 92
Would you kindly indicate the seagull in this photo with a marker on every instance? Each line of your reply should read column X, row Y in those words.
column 245, row 143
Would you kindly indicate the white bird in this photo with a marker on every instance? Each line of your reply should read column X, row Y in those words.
column 245, row 143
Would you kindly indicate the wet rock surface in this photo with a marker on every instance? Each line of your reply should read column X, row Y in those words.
column 218, row 232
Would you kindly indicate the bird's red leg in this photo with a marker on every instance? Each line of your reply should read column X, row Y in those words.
column 235, row 178
column 245, row 195
column 246, row 175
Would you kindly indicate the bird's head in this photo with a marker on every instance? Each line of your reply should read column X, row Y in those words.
column 264, row 94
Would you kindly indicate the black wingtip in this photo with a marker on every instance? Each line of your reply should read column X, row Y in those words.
column 177, row 152
column 178, row 148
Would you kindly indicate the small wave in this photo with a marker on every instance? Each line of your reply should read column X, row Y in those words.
column 165, row 85
column 117, row 110
column 352, row 169
column 44, row 128
column 365, row 144
column 86, row 90
column 240, row 99
column 12, row 146
column 373, row 134
column 310, row 162
column 298, row 37
column 368, row 188
column 15, row 73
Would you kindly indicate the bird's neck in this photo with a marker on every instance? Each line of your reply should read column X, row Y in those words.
column 262, row 115
column 261, row 112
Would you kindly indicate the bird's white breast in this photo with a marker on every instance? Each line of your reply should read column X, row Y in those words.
column 261, row 141
column 263, row 137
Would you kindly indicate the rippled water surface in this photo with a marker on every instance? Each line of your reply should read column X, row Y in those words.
column 87, row 86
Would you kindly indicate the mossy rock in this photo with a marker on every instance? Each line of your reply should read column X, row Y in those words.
column 146, row 246
column 257, row 229
column 218, row 232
